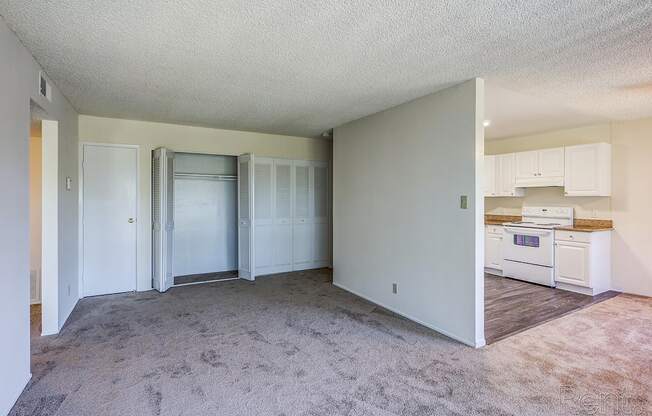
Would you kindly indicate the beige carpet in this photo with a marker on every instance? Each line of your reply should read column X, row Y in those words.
column 296, row 345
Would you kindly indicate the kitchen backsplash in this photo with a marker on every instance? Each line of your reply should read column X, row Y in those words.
column 584, row 207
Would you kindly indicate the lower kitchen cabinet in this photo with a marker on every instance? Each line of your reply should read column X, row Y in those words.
column 583, row 261
column 493, row 254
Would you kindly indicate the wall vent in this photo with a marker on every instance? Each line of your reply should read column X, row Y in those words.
column 44, row 87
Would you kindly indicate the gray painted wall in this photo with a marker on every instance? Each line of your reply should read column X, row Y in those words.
column 19, row 83
column 397, row 180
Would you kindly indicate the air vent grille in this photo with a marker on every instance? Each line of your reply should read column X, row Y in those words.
column 44, row 87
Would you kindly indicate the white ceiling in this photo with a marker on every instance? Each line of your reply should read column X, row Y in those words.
column 302, row 67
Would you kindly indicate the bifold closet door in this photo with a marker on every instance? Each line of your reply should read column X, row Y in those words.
column 282, row 216
column 162, row 219
column 321, row 248
column 264, row 215
column 302, row 225
column 246, row 248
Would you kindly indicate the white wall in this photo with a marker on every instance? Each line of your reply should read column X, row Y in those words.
column 628, row 206
column 18, row 84
column 631, row 203
column 190, row 139
column 397, row 180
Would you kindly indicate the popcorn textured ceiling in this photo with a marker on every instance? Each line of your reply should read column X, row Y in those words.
column 302, row 67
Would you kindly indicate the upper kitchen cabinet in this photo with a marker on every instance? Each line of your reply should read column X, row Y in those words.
column 506, row 175
column 588, row 170
column 490, row 176
column 499, row 176
column 540, row 168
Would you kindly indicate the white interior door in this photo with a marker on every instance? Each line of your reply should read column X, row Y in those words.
column 246, row 249
column 282, row 215
column 302, row 228
column 109, row 203
column 264, row 215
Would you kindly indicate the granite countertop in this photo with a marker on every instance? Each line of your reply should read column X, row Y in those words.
column 490, row 219
column 580, row 225
column 585, row 229
column 589, row 226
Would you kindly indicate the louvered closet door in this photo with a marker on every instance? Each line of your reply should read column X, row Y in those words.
column 246, row 258
column 282, row 216
column 157, row 223
column 302, row 227
column 321, row 251
column 169, row 220
column 264, row 215
column 162, row 218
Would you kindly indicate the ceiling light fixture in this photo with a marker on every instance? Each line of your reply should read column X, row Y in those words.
column 486, row 123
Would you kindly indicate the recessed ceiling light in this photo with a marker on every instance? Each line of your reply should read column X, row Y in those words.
column 486, row 123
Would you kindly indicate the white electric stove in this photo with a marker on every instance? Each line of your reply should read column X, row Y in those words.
column 528, row 245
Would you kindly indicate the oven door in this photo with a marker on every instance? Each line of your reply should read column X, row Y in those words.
column 528, row 245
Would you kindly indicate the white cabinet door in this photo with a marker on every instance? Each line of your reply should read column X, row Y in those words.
column 527, row 165
column 264, row 215
column 246, row 249
column 302, row 227
column 588, row 170
column 572, row 263
column 505, row 175
column 321, row 250
column 493, row 257
column 283, row 216
column 490, row 175
column 551, row 162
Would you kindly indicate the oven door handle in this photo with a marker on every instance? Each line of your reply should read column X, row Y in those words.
column 521, row 231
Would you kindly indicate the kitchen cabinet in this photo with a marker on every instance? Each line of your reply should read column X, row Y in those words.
column 506, row 176
column 499, row 176
column 587, row 170
column 493, row 252
column 583, row 261
column 490, row 175
column 572, row 263
column 540, row 168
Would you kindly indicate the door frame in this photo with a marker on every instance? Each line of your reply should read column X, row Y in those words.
column 50, row 319
column 80, row 248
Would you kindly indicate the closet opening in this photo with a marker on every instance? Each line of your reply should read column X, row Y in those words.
column 205, row 239
column 220, row 217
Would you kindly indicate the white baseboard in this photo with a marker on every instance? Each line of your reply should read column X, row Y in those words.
column 481, row 343
column 13, row 396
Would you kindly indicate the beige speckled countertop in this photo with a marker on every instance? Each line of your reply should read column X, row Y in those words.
column 589, row 226
column 580, row 225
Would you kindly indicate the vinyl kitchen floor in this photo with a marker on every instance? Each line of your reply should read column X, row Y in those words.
column 512, row 306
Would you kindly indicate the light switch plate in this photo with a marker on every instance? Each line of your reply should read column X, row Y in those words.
column 464, row 202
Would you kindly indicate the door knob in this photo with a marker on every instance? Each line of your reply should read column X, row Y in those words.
column 131, row 220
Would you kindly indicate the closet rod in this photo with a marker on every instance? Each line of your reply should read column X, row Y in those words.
column 206, row 176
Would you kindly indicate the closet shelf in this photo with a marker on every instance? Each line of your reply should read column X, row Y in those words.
column 188, row 175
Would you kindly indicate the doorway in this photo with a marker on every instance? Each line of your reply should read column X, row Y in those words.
column 35, row 229
column 109, row 218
